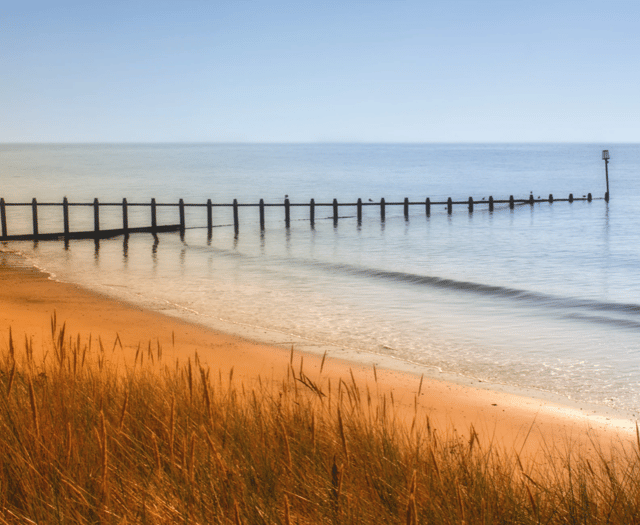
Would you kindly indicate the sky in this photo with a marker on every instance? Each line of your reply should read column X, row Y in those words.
column 320, row 71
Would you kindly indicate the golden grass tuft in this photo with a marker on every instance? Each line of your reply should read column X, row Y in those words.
column 81, row 442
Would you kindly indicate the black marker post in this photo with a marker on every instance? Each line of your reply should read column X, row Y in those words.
column 605, row 157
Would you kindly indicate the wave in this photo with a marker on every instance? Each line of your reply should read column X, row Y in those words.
column 621, row 315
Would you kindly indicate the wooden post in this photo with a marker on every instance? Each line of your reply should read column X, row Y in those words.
column 427, row 205
column 449, row 205
column 335, row 211
column 287, row 212
column 511, row 202
column 531, row 199
column 570, row 197
column 359, row 210
column 490, row 203
column 154, row 220
column 209, row 216
column 470, row 204
column 65, row 216
column 183, row 223
column 312, row 211
column 96, row 215
column 406, row 208
column 382, row 209
column 550, row 198
column 3, row 217
column 34, row 210
column 261, row 214
column 589, row 197
column 605, row 156
column 236, row 222
column 125, row 216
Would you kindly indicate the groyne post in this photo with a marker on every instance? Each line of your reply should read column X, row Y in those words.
column 34, row 211
column 154, row 220
column 570, row 197
column 550, row 198
column 335, row 211
column 470, row 204
column 312, row 211
column 209, row 216
column 236, row 221
column 96, row 215
column 261, row 214
column 125, row 216
column 359, row 207
column 449, row 205
column 427, row 206
column 512, row 202
column 605, row 157
column 182, row 219
column 287, row 212
column 3, row 217
column 406, row 208
column 589, row 197
column 490, row 202
column 65, row 216
column 382, row 209
column 531, row 199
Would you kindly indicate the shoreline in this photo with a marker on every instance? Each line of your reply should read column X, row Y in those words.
column 28, row 298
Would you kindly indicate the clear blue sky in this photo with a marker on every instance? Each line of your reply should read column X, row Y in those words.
column 301, row 71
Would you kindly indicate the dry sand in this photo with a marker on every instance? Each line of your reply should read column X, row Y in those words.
column 28, row 299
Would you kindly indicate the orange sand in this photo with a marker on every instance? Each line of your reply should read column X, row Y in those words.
column 28, row 299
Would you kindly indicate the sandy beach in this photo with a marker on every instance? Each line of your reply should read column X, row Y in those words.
column 29, row 298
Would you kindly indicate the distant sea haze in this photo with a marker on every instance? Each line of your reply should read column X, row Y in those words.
column 543, row 297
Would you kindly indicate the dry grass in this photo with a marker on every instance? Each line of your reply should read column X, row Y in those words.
column 83, row 443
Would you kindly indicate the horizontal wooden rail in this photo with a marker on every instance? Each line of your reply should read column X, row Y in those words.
column 98, row 233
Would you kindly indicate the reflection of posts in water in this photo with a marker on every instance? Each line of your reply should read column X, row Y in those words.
column 154, row 248
column 96, row 253
column 125, row 246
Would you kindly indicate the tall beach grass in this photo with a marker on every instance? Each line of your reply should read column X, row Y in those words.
column 151, row 441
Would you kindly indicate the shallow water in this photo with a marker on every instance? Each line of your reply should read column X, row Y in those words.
column 544, row 296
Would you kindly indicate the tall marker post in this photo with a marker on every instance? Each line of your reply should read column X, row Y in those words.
column 605, row 157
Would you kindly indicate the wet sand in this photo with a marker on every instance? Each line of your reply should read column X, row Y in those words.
column 529, row 425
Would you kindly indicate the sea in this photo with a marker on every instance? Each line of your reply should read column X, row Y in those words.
column 543, row 298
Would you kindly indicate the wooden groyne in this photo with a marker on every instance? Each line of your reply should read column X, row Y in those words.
column 98, row 233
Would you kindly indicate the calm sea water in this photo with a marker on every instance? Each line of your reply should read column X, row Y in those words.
column 544, row 297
